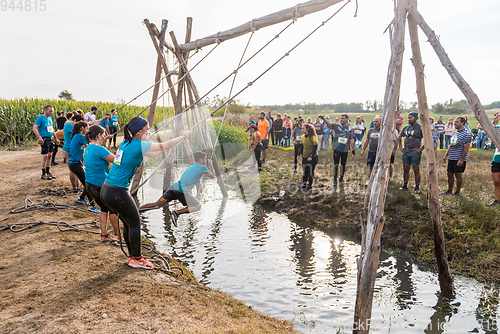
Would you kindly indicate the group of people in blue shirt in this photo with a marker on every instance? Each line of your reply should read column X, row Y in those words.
column 107, row 189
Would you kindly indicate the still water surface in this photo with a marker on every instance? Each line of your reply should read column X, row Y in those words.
column 291, row 271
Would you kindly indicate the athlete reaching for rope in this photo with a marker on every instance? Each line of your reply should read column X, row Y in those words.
column 115, row 190
column 181, row 190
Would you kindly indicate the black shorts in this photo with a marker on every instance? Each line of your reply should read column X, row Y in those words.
column 48, row 145
column 453, row 168
column 392, row 158
column 185, row 198
column 95, row 191
column 370, row 162
column 495, row 167
column 265, row 144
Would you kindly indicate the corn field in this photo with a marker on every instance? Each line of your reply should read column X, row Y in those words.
column 18, row 116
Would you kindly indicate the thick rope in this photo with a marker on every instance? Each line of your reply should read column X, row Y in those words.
column 30, row 206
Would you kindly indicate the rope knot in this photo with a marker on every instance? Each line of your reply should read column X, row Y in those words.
column 252, row 27
column 250, row 83
column 296, row 13
column 217, row 39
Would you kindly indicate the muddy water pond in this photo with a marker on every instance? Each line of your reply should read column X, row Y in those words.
column 293, row 272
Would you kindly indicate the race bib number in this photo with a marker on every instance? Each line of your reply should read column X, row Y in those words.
column 118, row 157
column 454, row 139
column 342, row 140
column 50, row 129
column 298, row 138
column 375, row 135
column 115, row 124
column 497, row 152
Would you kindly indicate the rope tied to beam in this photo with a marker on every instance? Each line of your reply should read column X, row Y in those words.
column 217, row 39
column 252, row 27
column 296, row 14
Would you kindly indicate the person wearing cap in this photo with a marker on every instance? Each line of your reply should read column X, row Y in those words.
column 412, row 151
column 255, row 144
column 115, row 190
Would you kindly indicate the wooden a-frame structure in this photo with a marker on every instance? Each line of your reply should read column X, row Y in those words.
column 405, row 11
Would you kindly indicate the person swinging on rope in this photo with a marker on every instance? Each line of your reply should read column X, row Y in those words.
column 115, row 189
column 181, row 190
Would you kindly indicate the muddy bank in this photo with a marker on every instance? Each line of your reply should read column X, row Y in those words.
column 55, row 282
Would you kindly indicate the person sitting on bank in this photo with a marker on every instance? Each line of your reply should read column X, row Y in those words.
column 181, row 190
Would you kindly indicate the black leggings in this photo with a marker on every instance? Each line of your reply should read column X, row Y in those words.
column 95, row 191
column 121, row 202
column 113, row 130
column 296, row 154
column 257, row 151
column 77, row 168
column 342, row 157
column 54, row 154
column 308, row 170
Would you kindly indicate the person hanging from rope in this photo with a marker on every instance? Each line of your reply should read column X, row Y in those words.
column 255, row 144
column 115, row 190
column 75, row 164
column 181, row 190
column 97, row 159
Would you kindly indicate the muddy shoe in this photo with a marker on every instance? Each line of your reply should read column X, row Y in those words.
column 404, row 187
column 46, row 177
column 51, row 176
column 495, row 202
column 174, row 216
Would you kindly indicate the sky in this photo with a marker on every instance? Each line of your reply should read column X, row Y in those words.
column 101, row 50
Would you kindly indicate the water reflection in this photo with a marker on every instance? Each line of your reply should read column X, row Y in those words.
column 291, row 271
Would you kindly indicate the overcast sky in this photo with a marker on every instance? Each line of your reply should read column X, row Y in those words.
column 101, row 51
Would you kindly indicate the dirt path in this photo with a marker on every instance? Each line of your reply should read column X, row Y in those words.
column 55, row 282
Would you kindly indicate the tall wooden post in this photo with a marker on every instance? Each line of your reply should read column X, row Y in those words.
column 445, row 279
column 152, row 107
column 471, row 97
column 377, row 187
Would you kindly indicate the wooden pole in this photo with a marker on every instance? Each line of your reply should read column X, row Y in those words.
column 152, row 107
column 445, row 279
column 471, row 97
column 300, row 10
column 190, row 82
column 377, row 187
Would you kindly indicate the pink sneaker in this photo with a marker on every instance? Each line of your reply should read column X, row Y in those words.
column 141, row 263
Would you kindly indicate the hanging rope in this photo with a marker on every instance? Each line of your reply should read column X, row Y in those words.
column 223, row 80
column 230, row 92
column 237, row 94
column 30, row 206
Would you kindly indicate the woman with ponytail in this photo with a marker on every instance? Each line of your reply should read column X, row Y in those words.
column 115, row 190
column 75, row 164
column 97, row 160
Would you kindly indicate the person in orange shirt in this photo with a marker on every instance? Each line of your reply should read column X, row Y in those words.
column 264, row 127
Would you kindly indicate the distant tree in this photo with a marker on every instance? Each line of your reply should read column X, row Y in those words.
column 438, row 108
column 65, row 95
column 492, row 105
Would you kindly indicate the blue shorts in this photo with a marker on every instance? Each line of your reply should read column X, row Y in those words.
column 265, row 144
column 370, row 162
column 412, row 158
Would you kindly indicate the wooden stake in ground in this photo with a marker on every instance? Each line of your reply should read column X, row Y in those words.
column 471, row 97
column 377, row 187
column 445, row 279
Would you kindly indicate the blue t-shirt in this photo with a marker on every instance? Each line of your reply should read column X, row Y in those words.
column 76, row 148
column 113, row 122
column 127, row 159
column 45, row 126
column 457, row 144
column 104, row 122
column 96, row 167
column 190, row 178
column 67, row 132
